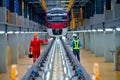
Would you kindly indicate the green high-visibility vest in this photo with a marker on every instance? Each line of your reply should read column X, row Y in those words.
column 76, row 44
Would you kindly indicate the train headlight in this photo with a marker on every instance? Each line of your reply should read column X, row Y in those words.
column 65, row 25
column 49, row 26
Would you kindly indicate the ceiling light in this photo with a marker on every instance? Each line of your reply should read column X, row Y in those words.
column 118, row 29
column 108, row 29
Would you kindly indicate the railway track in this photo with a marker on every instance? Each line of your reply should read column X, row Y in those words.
column 56, row 63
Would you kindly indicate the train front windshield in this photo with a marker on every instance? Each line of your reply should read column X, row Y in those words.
column 57, row 18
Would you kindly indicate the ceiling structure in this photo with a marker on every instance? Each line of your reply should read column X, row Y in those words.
column 65, row 4
column 57, row 4
column 40, row 6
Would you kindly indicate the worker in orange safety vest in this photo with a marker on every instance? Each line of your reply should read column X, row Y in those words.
column 35, row 46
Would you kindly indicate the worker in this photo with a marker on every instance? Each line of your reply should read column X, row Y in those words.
column 76, row 44
column 35, row 46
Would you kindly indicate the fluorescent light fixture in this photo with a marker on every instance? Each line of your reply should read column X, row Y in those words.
column 84, row 30
column 65, row 1
column 26, row 32
column 63, row 37
column 108, row 29
column 63, row 62
column 31, row 32
column 118, row 29
column 66, row 78
column 100, row 30
column 52, row 55
column 17, row 32
column 2, row 32
column 94, row 30
column 22, row 32
column 50, row 66
column 48, row 76
column 10, row 32
column 89, row 30
column 52, row 60
column 65, row 70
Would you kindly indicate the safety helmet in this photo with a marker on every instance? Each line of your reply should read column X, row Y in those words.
column 35, row 34
column 74, row 35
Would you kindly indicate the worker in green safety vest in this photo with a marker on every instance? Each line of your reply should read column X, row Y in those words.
column 76, row 44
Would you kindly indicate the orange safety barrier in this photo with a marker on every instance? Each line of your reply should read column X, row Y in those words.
column 14, row 72
column 96, row 73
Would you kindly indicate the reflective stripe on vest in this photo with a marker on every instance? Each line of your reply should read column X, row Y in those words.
column 76, row 45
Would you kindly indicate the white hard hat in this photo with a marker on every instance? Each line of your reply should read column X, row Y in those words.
column 74, row 35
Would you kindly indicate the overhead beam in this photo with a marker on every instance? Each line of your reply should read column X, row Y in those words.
column 70, row 5
column 44, row 5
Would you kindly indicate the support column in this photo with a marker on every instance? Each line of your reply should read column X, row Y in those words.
column 33, row 14
column 117, row 46
column 25, row 14
column 14, row 11
column 21, row 43
column 13, row 42
column 99, row 9
column 92, row 42
column 25, row 9
column 3, row 14
column 3, row 53
column 99, row 43
column 108, row 14
column 81, row 37
column 109, row 46
column 30, row 16
column 27, row 22
column 36, row 18
column 92, row 7
column 30, row 12
column 28, row 38
column 92, row 12
column 20, row 13
column 14, row 18
column 116, row 10
column 22, row 21
column 87, row 40
column 87, row 22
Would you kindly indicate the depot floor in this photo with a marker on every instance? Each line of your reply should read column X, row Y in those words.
column 107, row 71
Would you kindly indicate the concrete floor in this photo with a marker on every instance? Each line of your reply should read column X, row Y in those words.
column 107, row 71
column 87, row 59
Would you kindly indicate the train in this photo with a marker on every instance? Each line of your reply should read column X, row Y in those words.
column 57, row 22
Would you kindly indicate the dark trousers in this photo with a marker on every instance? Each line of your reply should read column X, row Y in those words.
column 76, row 52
